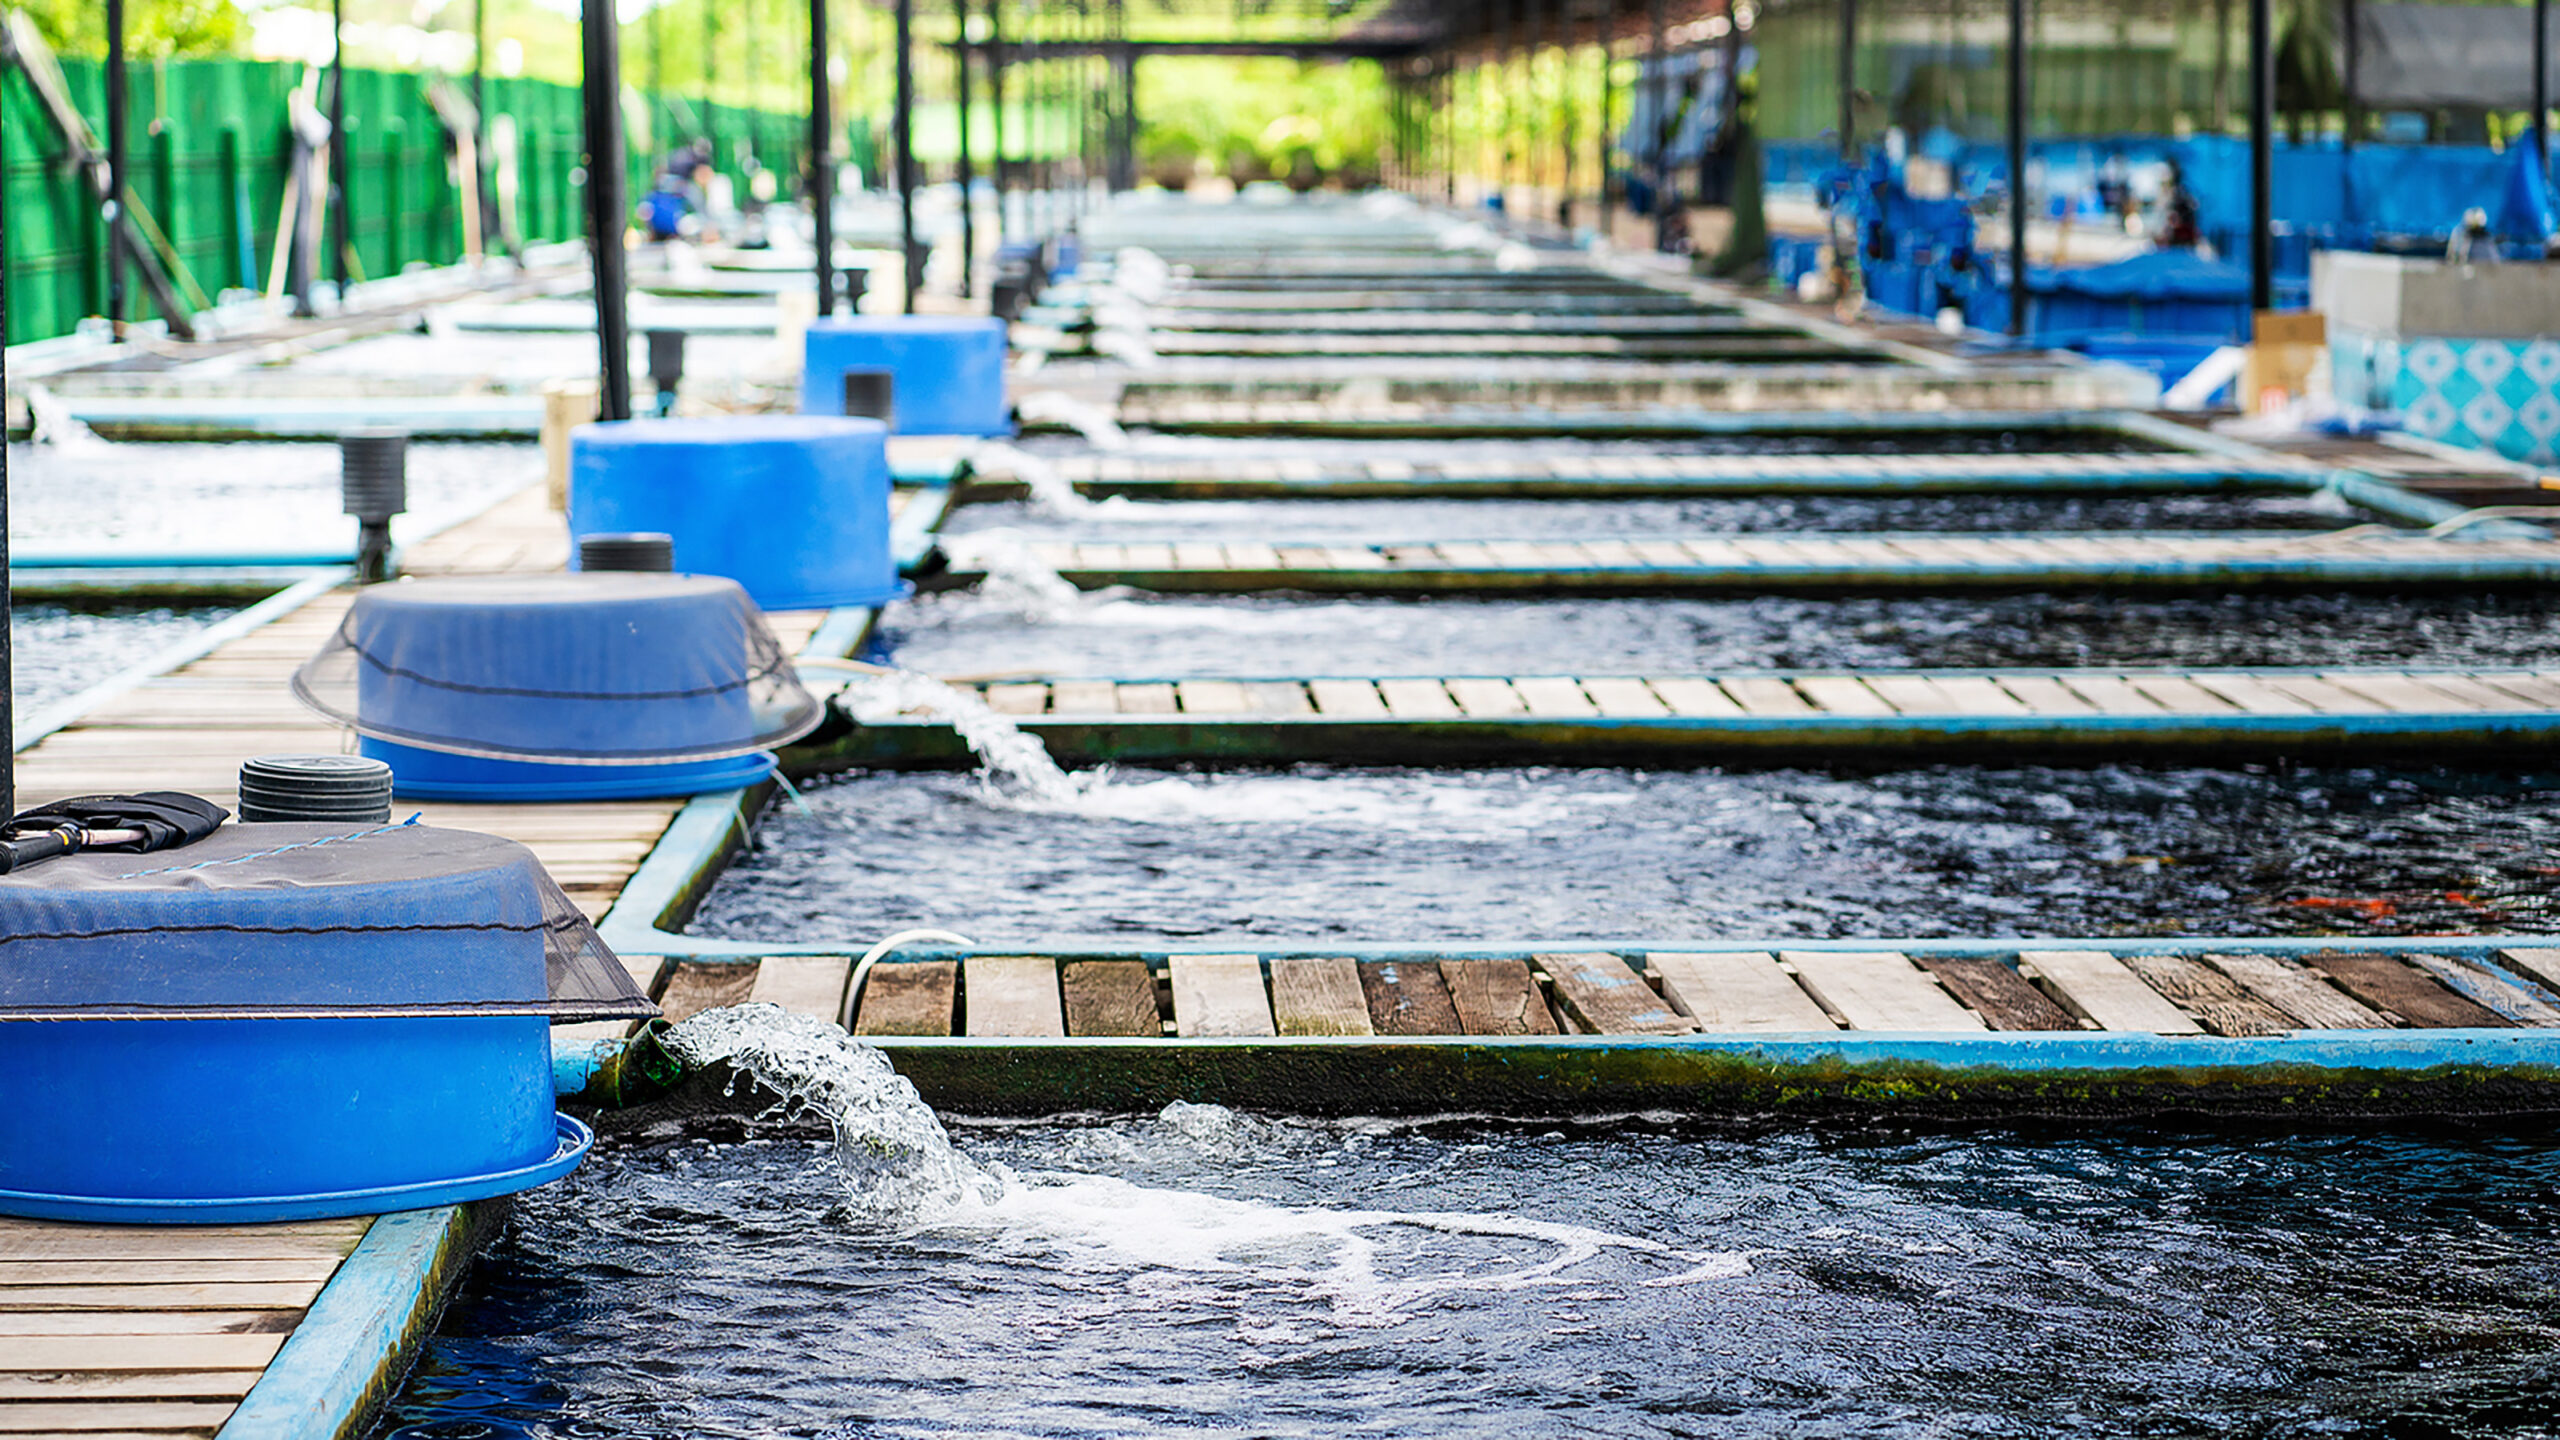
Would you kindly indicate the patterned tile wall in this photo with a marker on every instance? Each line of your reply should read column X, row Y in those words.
column 2501, row 395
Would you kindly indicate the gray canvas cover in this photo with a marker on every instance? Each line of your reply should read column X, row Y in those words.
column 2427, row 57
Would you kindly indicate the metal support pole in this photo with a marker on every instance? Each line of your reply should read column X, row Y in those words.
column 903, row 134
column 822, row 164
column 2351, row 116
column 995, row 104
column 1659, row 160
column 2018, row 41
column 8, row 705
column 1124, row 146
column 1609, row 188
column 480, row 124
column 339, row 229
column 2262, row 161
column 600, row 90
column 114, row 208
column 1849, row 82
column 1449, row 132
column 2542, row 84
column 968, row 169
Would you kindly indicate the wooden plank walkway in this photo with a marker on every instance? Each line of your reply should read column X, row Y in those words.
column 2086, row 987
column 108, row 1330
column 1703, row 321
column 2108, row 714
column 162, row 1332
column 1240, row 344
column 1803, row 562
column 1625, row 476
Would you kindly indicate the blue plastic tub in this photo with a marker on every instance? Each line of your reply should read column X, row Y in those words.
column 239, row 1120
column 794, row 508
column 278, row 1021
column 947, row 371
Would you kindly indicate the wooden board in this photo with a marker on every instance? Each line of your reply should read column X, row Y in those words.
column 1605, row 996
column 1219, row 995
column 2311, row 1001
column 1407, row 999
column 1011, row 995
column 20, row 1354
column 115, row 1419
column 1736, row 991
column 1318, row 996
column 810, row 985
column 1111, row 997
column 2211, row 996
column 1997, row 993
column 2393, row 987
column 1879, row 990
column 694, row 986
column 2509, row 1001
column 1348, row 699
column 2099, row 988
column 2542, row 967
column 1415, row 700
column 1497, row 997
column 915, row 997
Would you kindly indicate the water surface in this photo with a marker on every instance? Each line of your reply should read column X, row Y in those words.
column 55, row 652
column 1210, row 1273
column 1398, row 857
column 1137, row 635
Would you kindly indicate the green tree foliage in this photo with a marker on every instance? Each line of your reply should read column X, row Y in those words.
column 154, row 29
column 1256, row 119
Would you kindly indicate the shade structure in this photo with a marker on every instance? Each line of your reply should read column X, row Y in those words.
column 561, row 686
column 793, row 508
column 947, row 370
column 289, row 1020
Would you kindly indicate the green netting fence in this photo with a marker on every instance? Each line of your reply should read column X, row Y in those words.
column 209, row 152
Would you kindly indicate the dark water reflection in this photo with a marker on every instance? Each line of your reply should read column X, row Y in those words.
column 1392, row 856
column 1205, row 1273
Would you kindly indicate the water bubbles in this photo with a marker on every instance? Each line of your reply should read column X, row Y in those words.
column 1007, row 752
column 56, row 427
column 897, row 1159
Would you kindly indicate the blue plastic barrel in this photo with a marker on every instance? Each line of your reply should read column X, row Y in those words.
column 371, row 1033
column 564, row 687
column 948, row 371
column 174, row 1120
column 794, row 508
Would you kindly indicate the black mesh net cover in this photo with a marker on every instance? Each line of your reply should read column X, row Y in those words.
column 308, row 921
column 612, row 668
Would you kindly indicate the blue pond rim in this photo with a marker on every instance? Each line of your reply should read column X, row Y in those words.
column 573, row 1142
column 422, row 774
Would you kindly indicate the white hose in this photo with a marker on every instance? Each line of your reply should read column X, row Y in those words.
column 872, row 956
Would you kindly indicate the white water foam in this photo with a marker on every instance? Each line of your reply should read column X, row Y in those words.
column 1049, row 490
column 1006, row 752
column 1018, row 582
column 1082, row 416
column 898, row 1160
column 53, row 424
column 1366, row 1268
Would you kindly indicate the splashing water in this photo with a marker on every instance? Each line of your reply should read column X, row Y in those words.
column 897, row 1158
column 1367, row 1269
column 53, row 424
column 1082, row 416
column 1049, row 489
column 1005, row 751
column 1017, row 578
